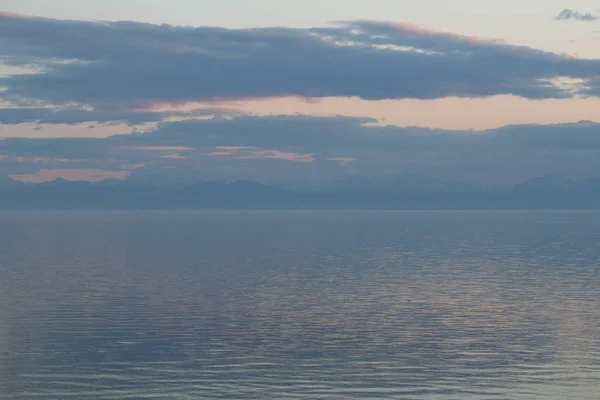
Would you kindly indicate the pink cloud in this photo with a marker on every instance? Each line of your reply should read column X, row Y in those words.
column 227, row 150
column 161, row 106
column 312, row 100
column 75, row 174
column 446, row 113
column 240, row 152
column 236, row 101
column 407, row 27
column 410, row 27
column 154, row 148
column 44, row 160
column 280, row 155
column 8, row 14
column 189, row 108
column 174, row 156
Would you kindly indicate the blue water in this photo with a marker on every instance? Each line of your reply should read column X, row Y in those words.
column 300, row 305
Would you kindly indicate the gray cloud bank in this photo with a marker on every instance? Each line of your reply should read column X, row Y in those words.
column 128, row 65
column 278, row 148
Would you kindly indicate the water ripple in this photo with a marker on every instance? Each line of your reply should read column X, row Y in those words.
column 299, row 306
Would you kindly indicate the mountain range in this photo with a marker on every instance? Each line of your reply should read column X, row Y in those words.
column 411, row 192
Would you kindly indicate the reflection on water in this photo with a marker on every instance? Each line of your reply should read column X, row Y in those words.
column 300, row 305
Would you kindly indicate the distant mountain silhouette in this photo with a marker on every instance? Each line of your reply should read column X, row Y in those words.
column 240, row 194
column 555, row 185
column 157, row 180
column 394, row 185
column 9, row 184
column 399, row 192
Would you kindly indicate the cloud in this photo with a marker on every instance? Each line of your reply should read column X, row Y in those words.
column 342, row 160
column 79, row 72
column 73, row 115
column 594, row 87
column 568, row 14
column 328, row 135
column 130, row 65
column 93, row 175
column 302, row 147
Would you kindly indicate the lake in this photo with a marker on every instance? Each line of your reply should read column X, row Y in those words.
column 299, row 305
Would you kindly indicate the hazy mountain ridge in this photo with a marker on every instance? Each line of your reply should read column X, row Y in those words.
column 399, row 184
column 398, row 192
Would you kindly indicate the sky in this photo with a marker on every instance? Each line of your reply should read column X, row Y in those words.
column 283, row 91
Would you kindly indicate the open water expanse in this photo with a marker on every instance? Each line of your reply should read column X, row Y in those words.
column 300, row 305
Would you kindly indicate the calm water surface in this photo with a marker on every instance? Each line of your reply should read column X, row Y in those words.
column 303, row 305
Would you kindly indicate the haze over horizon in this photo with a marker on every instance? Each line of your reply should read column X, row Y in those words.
column 484, row 93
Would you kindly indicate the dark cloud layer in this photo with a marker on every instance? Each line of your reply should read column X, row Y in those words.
column 568, row 14
column 124, row 65
column 235, row 147
column 299, row 133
